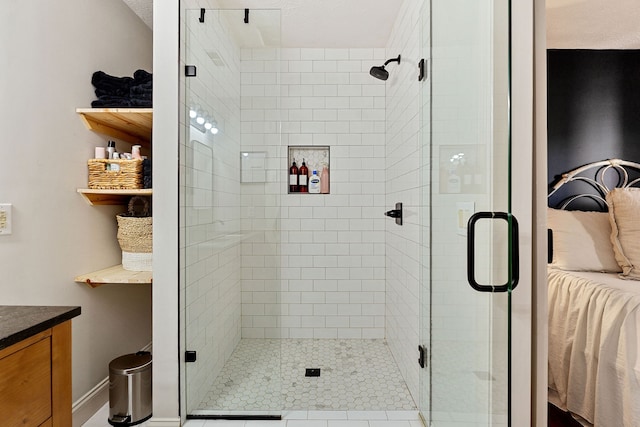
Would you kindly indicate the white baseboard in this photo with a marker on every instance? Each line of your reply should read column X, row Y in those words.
column 85, row 407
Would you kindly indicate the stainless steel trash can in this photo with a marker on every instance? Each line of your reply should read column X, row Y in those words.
column 130, row 389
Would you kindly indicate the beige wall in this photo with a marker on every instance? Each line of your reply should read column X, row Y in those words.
column 592, row 24
column 49, row 52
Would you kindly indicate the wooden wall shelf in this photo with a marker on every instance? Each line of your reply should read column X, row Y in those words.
column 111, row 197
column 115, row 274
column 131, row 125
column 128, row 124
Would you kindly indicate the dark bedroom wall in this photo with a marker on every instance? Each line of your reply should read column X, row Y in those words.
column 593, row 107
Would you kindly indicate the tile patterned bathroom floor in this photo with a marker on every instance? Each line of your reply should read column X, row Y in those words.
column 355, row 375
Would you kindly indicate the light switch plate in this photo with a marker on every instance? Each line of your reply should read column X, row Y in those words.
column 5, row 219
column 464, row 212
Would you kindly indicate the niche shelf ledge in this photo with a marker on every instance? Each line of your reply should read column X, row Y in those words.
column 115, row 274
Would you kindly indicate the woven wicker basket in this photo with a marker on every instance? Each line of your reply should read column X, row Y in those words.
column 135, row 236
column 129, row 177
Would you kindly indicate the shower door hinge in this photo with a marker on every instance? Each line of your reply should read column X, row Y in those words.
column 422, row 68
column 422, row 359
column 190, row 70
column 189, row 356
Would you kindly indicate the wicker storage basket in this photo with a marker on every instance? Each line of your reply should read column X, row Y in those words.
column 135, row 236
column 129, row 177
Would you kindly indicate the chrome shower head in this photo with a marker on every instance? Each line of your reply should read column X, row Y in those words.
column 380, row 72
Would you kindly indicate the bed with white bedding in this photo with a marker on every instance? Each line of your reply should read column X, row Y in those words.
column 594, row 346
column 594, row 297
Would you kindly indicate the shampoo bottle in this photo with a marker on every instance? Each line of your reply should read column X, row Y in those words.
column 324, row 180
column 453, row 182
column 314, row 183
column 303, row 178
column 293, row 178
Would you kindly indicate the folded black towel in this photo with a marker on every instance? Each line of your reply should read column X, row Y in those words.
column 144, row 90
column 143, row 86
column 122, row 93
column 136, row 91
column 141, row 76
column 114, row 101
column 110, row 84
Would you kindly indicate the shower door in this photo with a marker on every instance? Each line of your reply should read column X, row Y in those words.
column 473, row 264
column 229, row 216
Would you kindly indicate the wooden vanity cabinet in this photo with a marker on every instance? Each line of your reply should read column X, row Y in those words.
column 35, row 380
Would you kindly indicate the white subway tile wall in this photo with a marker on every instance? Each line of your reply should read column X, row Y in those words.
column 406, row 151
column 332, row 253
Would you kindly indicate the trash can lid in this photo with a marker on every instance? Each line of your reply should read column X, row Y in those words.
column 131, row 363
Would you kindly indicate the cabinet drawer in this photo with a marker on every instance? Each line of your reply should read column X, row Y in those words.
column 25, row 385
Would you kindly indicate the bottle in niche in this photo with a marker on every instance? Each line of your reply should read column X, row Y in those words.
column 324, row 180
column 303, row 177
column 293, row 178
column 314, row 183
column 466, row 177
column 453, row 182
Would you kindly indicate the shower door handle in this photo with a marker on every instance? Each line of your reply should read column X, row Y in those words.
column 514, row 265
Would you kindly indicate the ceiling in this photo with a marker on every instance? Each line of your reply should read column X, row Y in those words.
column 571, row 24
column 313, row 23
column 142, row 8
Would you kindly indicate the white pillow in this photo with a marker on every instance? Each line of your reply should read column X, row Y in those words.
column 582, row 241
column 624, row 213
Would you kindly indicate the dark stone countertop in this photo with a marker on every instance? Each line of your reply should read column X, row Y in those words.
column 18, row 322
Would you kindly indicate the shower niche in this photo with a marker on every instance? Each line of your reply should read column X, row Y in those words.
column 313, row 158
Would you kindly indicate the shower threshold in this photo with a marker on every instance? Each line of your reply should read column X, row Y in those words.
column 235, row 416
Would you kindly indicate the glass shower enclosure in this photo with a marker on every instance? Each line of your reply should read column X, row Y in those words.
column 472, row 265
column 229, row 215
column 237, row 280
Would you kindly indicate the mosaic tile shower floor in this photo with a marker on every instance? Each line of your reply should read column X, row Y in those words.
column 269, row 375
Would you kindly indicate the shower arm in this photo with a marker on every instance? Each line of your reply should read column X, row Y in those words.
column 392, row 60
